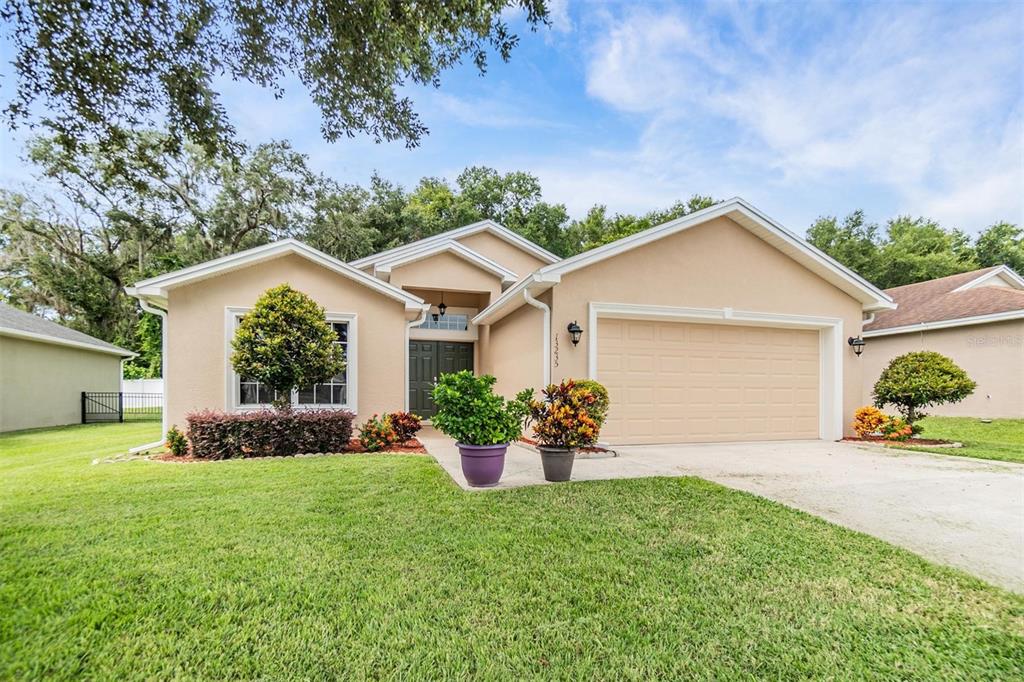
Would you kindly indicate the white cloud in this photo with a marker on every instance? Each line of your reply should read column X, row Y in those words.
column 924, row 103
column 485, row 112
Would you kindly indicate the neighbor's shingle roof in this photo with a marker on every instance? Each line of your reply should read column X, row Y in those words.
column 19, row 321
column 937, row 301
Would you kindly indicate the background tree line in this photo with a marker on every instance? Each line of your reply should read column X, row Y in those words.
column 103, row 217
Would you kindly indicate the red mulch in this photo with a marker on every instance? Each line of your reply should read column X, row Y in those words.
column 354, row 448
column 530, row 441
column 886, row 441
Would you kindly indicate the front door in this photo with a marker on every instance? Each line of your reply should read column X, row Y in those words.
column 427, row 361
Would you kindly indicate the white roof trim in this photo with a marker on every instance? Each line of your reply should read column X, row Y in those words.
column 453, row 247
column 494, row 228
column 871, row 297
column 155, row 288
column 1003, row 271
column 57, row 341
column 947, row 324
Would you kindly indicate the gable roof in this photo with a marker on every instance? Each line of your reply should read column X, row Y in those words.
column 155, row 289
column 384, row 267
column 953, row 301
column 490, row 226
column 19, row 324
column 739, row 211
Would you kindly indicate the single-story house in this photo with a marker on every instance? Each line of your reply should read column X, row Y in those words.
column 45, row 367
column 974, row 318
column 721, row 325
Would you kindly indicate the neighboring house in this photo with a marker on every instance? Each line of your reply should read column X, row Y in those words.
column 718, row 326
column 44, row 368
column 975, row 318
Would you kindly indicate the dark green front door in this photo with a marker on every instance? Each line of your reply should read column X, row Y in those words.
column 427, row 361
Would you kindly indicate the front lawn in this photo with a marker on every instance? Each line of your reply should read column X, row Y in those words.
column 1003, row 439
column 379, row 566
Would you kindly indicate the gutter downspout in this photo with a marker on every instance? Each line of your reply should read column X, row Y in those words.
column 546, row 343
column 408, row 328
column 162, row 314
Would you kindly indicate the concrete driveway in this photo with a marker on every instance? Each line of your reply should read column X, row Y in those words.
column 967, row 513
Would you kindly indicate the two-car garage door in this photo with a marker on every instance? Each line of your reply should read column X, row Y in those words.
column 693, row 382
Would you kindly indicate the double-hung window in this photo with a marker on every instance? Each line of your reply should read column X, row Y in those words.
column 337, row 392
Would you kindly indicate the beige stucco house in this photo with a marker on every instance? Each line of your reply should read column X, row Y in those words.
column 974, row 318
column 45, row 367
column 722, row 325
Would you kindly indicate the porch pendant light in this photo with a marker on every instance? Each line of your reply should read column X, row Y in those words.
column 442, row 307
column 575, row 332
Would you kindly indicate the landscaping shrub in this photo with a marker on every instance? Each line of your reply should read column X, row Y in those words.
column 598, row 408
column 268, row 433
column 921, row 379
column 469, row 411
column 377, row 433
column 176, row 442
column 406, row 425
column 868, row 420
column 562, row 419
column 895, row 428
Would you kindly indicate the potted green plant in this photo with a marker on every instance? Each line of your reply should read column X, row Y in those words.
column 481, row 422
column 563, row 421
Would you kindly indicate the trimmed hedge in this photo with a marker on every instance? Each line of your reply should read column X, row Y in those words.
column 268, row 433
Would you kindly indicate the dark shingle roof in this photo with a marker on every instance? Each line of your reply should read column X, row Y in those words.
column 938, row 301
column 14, row 320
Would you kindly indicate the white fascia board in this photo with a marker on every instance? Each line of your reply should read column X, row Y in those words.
column 871, row 296
column 946, row 324
column 494, row 228
column 57, row 341
column 156, row 288
column 1003, row 271
column 512, row 298
column 456, row 249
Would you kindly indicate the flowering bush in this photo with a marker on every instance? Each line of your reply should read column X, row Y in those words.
column 268, row 433
column 377, row 433
column 176, row 442
column 563, row 419
column 896, row 428
column 405, row 424
column 868, row 420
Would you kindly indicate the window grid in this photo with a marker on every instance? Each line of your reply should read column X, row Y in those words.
column 449, row 322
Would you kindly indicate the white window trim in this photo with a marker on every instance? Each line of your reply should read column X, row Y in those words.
column 471, row 333
column 830, row 371
column 231, row 378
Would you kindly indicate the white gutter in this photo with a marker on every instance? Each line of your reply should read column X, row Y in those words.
column 945, row 324
column 546, row 343
column 408, row 327
column 162, row 314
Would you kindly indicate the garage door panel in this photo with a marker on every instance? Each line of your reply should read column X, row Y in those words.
column 677, row 382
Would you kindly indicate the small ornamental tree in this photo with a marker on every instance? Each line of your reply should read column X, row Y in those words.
column 285, row 343
column 921, row 379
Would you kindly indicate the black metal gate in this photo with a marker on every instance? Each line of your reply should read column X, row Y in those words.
column 117, row 406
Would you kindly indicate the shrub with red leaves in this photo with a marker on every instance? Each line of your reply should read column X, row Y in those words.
column 268, row 433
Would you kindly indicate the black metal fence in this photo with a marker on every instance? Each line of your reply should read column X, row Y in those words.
column 117, row 406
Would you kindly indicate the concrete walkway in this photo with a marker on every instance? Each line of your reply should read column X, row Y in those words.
column 963, row 512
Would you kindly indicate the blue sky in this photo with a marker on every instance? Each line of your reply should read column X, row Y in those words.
column 802, row 109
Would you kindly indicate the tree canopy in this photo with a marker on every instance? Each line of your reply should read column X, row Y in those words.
column 93, row 71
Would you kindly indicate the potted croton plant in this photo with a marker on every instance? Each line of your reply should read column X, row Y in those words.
column 481, row 422
column 567, row 417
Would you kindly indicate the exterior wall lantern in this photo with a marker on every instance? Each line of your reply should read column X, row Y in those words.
column 575, row 332
column 857, row 344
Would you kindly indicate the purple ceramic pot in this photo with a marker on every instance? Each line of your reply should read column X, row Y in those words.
column 482, row 464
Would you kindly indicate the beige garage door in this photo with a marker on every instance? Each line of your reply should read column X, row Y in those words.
column 684, row 382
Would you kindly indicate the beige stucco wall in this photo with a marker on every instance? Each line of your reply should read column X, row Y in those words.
column 41, row 383
column 512, row 350
column 446, row 272
column 197, row 357
column 715, row 265
column 991, row 354
column 503, row 253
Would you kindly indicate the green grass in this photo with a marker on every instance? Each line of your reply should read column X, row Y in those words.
column 1003, row 439
column 363, row 566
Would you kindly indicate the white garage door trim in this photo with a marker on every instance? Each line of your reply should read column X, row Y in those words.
column 830, row 412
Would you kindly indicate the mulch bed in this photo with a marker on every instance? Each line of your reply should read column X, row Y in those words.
column 530, row 441
column 354, row 448
column 879, row 440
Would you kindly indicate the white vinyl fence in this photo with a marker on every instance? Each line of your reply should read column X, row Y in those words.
column 147, row 386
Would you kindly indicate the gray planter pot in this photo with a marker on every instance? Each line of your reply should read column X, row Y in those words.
column 557, row 463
